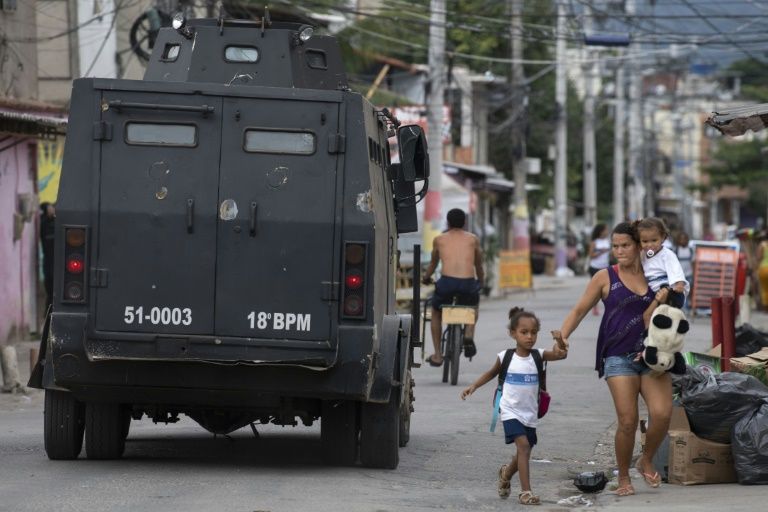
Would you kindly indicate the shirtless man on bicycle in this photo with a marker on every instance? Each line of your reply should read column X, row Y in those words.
column 461, row 275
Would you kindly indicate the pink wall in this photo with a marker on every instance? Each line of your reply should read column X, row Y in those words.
column 18, row 259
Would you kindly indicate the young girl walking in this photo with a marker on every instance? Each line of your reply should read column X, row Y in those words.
column 519, row 402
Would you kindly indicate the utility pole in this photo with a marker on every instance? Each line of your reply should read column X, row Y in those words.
column 561, row 164
column 618, row 146
column 636, row 171
column 520, row 220
column 590, row 162
column 432, row 206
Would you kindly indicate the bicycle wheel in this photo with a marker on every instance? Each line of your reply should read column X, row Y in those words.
column 445, row 345
column 457, row 340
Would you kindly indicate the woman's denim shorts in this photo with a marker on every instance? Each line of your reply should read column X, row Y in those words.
column 624, row 364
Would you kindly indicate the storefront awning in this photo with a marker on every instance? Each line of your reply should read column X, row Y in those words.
column 31, row 117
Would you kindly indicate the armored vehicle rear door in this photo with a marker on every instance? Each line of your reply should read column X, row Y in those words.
column 157, row 215
column 277, row 240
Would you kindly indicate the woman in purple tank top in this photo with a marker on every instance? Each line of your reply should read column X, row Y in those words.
column 626, row 296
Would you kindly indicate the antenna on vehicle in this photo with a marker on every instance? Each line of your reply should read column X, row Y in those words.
column 265, row 20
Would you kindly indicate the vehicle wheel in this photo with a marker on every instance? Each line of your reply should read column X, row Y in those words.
column 105, row 431
column 126, row 422
column 406, row 408
column 379, row 433
column 338, row 432
column 142, row 34
column 446, row 346
column 63, row 426
column 456, row 342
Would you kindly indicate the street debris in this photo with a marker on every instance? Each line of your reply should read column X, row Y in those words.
column 590, row 481
column 576, row 501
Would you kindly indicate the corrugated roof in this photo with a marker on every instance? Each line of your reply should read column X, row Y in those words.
column 738, row 120
column 31, row 117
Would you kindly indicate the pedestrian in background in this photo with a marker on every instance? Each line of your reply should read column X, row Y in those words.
column 519, row 405
column 599, row 252
column 762, row 270
column 626, row 295
column 684, row 253
column 47, row 219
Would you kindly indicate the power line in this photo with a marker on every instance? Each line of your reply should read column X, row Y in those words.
column 708, row 22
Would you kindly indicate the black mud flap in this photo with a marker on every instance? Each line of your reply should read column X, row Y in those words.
column 385, row 360
column 404, row 352
column 36, row 377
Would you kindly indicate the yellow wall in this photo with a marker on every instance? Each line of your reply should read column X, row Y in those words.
column 49, row 154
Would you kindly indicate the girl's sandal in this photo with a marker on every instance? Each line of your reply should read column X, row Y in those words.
column 503, row 483
column 528, row 498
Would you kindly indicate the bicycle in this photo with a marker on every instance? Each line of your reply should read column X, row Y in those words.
column 455, row 318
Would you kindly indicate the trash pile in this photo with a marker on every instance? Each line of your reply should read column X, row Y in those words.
column 724, row 408
column 752, row 351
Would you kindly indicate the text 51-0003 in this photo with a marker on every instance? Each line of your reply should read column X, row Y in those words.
column 157, row 315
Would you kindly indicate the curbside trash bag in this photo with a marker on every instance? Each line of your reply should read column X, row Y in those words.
column 715, row 402
column 750, row 447
column 749, row 340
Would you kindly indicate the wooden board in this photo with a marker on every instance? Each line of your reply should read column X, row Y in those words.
column 459, row 315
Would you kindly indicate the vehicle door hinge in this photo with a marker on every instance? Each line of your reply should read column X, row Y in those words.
column 375, row 360
column 99, row 277
column 330, row 290
column 102, row 130
column 336, row 143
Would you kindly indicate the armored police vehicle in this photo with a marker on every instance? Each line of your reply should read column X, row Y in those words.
column 226, row 248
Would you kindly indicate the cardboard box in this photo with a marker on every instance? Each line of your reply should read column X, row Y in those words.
column 757, row 359
column 693, row 460
column 704, row 362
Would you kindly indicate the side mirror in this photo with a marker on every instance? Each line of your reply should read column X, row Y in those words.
column 414, row 157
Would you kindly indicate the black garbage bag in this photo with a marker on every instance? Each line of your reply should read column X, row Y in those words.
column 749, row 340
column 715, row 402
column 749, row 445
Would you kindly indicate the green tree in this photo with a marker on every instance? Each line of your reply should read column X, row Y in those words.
column 744, row 164
column 754, row 79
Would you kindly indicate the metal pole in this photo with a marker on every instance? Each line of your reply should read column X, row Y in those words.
column 521, row 239
column 618, row 148
column 637, row 199
column 561, row 163
column 590, row 163
column 432, row 206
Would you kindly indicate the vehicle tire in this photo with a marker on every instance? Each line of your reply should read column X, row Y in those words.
column 446, row 346
column 455, row 353
column 64, row 422
column 406, row 408
column 379, row 433
column 105, row 431
column 338, row 432
column 126, row 422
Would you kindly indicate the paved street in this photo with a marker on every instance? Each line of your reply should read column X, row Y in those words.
column 449, row 464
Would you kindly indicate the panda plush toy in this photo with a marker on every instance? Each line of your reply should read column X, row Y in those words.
column 665, row 340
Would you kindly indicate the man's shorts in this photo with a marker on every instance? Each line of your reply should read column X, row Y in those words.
column 467, row 290
column 623, row 365
column 513, row 429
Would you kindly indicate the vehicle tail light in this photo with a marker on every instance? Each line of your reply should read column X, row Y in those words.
column 75, row 264
column 355, row 286
column 75, row 251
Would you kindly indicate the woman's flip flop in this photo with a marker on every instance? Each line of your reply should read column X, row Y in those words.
column 653, row 480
